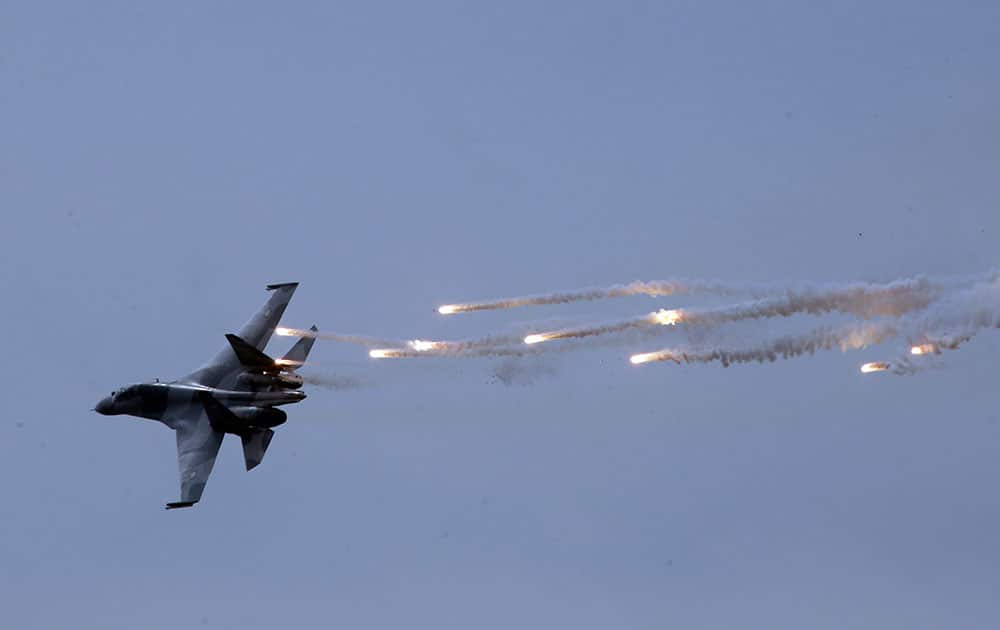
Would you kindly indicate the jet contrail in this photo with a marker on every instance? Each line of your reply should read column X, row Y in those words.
column 652, row 288
column 862, row 300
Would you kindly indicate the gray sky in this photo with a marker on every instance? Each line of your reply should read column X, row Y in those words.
column 160, row 164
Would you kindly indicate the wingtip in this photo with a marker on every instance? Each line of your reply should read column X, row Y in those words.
column 272, row 287
column 179, row 504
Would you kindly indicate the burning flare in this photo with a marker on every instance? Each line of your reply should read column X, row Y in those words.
column 924, row 348
column 645, row 357
column 385, row 353
column 875, row 366
column 661, row 317
column 540, row 337
column 666, row 317
column 450, row 309
column 421, row 345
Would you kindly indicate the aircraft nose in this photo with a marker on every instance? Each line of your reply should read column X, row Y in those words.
column 104, row 406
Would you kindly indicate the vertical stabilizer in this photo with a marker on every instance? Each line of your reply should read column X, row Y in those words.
column 255, row 444
column 296, row 356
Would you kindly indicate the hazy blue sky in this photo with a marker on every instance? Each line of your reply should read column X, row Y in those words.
column 161, row 162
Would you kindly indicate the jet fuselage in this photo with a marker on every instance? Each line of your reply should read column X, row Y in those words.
column 161, row 401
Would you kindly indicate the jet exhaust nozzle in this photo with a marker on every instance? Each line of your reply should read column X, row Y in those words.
column 264, row 417
column 286, row 380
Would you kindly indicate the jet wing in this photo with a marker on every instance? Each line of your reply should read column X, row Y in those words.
column 257, row 332
column 197, row 446
column 221, row 371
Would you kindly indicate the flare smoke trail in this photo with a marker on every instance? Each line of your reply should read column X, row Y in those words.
column 934, row 315
column 511, row 372
column 659, row 317
column 931, row 346
column 653, row 288
column 454, row 352
column 862, row 300
column 845, row 338
column 964, row 314
column 413, row 347
column 657, row 288
column 952, row 324
column 355, row 339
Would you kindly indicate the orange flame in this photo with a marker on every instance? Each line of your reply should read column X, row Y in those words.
column 385, row 353
column 421, row 345
column 667, row 317
column 645, row 357
column 875, row 366
column 540, row 337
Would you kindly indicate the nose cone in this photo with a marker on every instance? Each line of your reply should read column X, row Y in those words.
column 105, row 406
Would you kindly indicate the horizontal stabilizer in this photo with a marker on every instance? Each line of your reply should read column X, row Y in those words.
column 249, row 356
column 221, row 418
column 255, row 444
column 180, row 504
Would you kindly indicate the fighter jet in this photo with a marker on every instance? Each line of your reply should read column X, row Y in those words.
column 237, row 392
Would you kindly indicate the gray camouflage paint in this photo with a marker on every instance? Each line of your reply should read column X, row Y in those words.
column 218, row 398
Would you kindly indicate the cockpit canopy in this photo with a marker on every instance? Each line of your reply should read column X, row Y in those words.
column 127, row 390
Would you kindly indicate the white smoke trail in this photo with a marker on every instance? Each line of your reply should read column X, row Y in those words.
column 915, row 360
column 948, row 314
column 454, row 352
column 597, row 329
column 360, row 340
column 383, row 348
column 950, row 325
column 511, row 372
column 845, row 338
column 945, row 327
column 652, row 288
column 657, row 288
column 860, row 299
